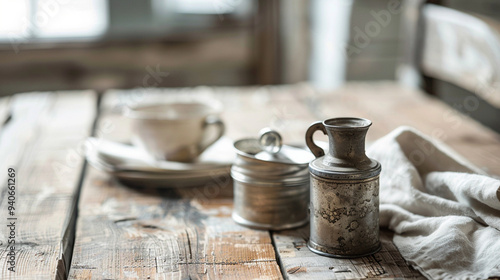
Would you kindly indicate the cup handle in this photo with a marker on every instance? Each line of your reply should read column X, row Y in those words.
column 317, row 151
column 212, row 121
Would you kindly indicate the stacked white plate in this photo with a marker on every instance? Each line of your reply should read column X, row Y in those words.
column 132, row 166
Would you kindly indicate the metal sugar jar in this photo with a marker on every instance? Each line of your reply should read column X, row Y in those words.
column 344, row 207
column 271, row 190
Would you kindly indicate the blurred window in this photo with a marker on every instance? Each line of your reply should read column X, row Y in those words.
column 29, row 20
column 209, row 6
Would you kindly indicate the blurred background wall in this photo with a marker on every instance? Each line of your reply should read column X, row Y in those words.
column 102, row 44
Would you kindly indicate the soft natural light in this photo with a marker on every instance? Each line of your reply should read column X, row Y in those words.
column 14, row 21
column 77, row 18
column 207, row 6
column 24, row 20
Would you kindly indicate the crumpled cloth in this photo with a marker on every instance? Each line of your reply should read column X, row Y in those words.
column 444, row 211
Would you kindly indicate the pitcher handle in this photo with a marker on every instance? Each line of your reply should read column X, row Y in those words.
column 317, row 151
column 212, row 121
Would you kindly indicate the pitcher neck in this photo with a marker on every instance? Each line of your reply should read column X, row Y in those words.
column 347, row 144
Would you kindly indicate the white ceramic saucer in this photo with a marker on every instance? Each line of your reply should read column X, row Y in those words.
column 131, row 166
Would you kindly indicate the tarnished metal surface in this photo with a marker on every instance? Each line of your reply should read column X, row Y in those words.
column 271, row 193
column 271, row 205
column 344, row 217
column 344, row 208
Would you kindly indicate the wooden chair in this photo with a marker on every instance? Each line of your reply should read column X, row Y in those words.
column 454, row 55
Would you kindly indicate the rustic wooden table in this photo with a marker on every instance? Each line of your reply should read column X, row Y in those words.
column 75, row 221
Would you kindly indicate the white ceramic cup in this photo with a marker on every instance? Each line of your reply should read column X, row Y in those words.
column 178, row 131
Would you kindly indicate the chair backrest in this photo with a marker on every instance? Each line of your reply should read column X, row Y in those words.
column 453, row 55
column 462, row 49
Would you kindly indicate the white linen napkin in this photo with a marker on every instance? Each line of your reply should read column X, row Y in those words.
column 444, row 211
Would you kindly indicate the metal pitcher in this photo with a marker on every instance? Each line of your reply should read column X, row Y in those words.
column 344, row 193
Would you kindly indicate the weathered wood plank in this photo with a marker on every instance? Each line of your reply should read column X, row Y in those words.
column 41, row 141
column 299, row 262
column 145, row 233
column 142, row 233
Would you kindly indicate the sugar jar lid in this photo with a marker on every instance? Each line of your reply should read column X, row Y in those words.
column 269, row 148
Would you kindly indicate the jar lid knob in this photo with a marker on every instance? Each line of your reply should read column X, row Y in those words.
column 270, row 140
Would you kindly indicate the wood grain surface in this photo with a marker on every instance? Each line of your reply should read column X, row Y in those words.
column 126, row 232
column 40, row 140
column 298, row 262
column 141, row 233
column 145, row 233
